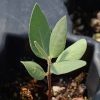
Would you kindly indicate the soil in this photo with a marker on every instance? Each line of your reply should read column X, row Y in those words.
column 26, row 88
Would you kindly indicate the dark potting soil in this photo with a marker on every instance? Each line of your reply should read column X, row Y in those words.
column 25, row 88
column 62, row 89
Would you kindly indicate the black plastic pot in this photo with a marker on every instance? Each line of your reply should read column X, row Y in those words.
column 14, row 46
column 17, row 48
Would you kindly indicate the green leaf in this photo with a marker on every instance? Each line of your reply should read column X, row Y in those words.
column 39, row 31
column 41, row 51
column 66, row 66
column 73, row 52
column 58, row 38
column 34, row 69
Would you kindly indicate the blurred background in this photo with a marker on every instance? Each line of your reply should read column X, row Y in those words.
column 85, row 15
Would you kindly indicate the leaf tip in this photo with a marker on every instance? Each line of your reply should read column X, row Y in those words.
column 36, row 5
column 22, row 62
column 84, row 42
column 64, row 18
column 85, row 63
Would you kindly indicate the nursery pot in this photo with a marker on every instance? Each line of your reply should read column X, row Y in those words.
column 13, row 73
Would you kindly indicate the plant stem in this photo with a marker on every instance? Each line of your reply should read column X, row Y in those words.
column 49, row 79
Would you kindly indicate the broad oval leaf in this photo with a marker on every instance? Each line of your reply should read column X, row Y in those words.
column 58, row 38
column 39, row 31
column 66, row 66
column 34, row 70
column 73, row 52
column 41, row 51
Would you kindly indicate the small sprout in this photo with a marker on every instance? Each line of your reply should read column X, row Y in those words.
column 47, row 45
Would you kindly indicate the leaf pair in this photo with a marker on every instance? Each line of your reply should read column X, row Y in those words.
column 68, row 60
column 39, row 31
column 46, row 44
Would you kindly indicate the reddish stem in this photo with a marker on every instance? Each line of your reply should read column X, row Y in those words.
column 49, row 80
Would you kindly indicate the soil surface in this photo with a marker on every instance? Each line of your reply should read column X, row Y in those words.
column 72, row 89
column 30, row 89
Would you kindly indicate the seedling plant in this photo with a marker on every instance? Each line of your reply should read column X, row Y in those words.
column 47, row 44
